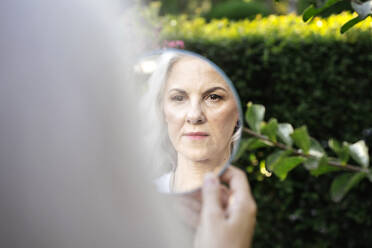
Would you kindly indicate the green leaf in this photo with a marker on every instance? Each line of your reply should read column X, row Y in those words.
column 311, row 163
column 254, row 116
column 351, row 23
column 334, row 145
column 301, row 138
column 329, row 3
column 254, row 143
column 284, row 133
column 274, row 158
column 323, row 167
column 343, row 183
column 319, row 166
column 341, row 151
column 270, row 129
column 359, row 152
column 316, row 149
column 242, row 149
column 315, row 163
column 285, row 165
column 250, row 145
column 311, row 11
column 369, row 176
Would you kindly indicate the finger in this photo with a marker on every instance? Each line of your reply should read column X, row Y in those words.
column 224, row 196
column 237, row 182
column 241, row 202
column 211, row 208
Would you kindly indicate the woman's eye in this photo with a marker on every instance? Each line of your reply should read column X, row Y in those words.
column 177, row 98
column 214, row 97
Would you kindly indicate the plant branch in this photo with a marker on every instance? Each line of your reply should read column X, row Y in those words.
column 282, row 146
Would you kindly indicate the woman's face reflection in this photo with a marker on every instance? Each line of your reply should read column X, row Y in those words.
column 200, row 110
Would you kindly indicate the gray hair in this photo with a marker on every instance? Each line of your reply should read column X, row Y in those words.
column 68, row 133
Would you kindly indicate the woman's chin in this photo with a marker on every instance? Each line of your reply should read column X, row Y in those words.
column 198, row 156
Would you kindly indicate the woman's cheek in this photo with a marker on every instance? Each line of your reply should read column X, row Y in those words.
column 224, row 120
column 172, row 113
column 224, row 113
column 175, row 120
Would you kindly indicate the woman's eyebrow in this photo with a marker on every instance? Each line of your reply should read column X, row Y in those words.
column 178, row 90
column 214, row 89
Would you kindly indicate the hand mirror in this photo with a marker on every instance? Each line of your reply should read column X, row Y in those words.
column 192, row 118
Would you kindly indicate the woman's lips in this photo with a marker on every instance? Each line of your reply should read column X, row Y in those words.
column 196, row 135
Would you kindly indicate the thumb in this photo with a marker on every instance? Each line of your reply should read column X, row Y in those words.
column 212, row 207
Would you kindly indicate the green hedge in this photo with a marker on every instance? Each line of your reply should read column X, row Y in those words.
column 304, row 74
column 236, row 10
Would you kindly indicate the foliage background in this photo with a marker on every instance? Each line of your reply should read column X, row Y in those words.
column 304, row 74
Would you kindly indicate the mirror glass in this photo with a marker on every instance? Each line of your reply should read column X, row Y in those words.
column 192, row 119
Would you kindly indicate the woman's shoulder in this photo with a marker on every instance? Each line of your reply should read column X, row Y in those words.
column 162, row 183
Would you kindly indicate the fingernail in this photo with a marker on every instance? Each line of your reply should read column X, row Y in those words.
column 210, row 179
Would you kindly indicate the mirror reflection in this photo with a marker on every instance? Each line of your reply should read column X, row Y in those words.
column 193, row 118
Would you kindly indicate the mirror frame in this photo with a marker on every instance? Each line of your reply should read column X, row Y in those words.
column 159, row 52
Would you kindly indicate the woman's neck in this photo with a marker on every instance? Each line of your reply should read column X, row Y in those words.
column 189, row 174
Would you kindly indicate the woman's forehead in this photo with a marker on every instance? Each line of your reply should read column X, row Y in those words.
column 194, row 72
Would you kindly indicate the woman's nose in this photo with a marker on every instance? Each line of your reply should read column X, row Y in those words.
column 195, row 114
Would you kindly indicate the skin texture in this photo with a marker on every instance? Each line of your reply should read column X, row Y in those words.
column 226, row 226
column 221, row 215
column 188, row 206
column 197, row 99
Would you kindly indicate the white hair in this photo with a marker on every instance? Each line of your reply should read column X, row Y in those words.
column 71, row 163
column 164, row 155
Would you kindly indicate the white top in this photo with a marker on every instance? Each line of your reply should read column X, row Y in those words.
column 163, row 183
